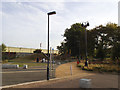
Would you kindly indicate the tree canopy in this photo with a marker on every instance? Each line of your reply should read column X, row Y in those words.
column 3, row 47
column 102, row 41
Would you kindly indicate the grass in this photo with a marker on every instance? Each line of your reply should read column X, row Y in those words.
column 100, row 67
column 29, row 60
column 30, row 64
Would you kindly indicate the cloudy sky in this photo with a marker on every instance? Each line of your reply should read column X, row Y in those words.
column 24, row 24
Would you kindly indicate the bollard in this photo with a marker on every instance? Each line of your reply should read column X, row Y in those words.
column 25, row 66
column 58, row 63
column 17, row 66
column 85, row 83
column 71, row 69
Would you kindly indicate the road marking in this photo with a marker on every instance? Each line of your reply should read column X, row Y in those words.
column 8, row 86
column 67, row 77
column 23, row 71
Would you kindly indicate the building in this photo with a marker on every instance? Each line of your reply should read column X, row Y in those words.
column 26, row 50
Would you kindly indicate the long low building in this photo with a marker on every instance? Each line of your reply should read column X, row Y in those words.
column 26, row 50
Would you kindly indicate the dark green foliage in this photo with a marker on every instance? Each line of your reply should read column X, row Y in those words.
column 100, row 53
column 74, row 41
column 8, row 55
column 102, row 41
column 3, row 46
column 38, row 51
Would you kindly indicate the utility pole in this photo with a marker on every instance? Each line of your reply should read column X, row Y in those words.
column 50, row 13
column 85, row 24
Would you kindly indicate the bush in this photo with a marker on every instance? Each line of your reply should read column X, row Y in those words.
column 38, row 51
column 5, row 61
column 100, row 67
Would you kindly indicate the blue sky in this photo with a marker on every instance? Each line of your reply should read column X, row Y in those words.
column 24, row 24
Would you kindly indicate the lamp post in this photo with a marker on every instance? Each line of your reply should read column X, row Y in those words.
column 85, row 24
column 79, row 50
column 50, row 13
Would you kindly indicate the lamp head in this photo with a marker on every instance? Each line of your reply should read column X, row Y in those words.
column 51, row 13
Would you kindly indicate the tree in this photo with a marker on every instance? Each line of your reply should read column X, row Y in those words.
column 105, row 39
column 100, row 53
column 102, row 41
column 74, row 42
column 3, row 46
column 75, row 39
column 62, row 49
column 116, row 45
column 91, row 35
column 115, row 52
column 38, row 51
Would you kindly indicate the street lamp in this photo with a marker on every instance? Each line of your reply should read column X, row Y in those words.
column 79, row 50
column 50, row 13
column 85, row 24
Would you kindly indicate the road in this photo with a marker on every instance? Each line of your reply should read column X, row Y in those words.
column 16, row 76
column 66, row 80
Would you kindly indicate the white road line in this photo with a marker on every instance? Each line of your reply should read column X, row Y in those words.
column 23, row 71
column 8, row 86
column 28, row 83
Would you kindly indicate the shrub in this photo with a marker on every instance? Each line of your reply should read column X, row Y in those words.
column 5, row 61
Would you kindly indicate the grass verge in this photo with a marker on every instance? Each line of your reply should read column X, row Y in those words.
column 100, row 67
column 30, row 64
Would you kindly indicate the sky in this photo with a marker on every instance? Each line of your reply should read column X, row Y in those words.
column 25, row 23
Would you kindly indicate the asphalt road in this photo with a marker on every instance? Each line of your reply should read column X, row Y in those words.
column 65, row 80
column 16, row 76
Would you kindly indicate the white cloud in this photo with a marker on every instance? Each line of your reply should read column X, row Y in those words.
column 27, row 21
column 25, row 24
column 0, row 23
column 59, row 0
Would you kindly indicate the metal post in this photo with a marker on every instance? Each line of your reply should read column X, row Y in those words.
column 8, row 54
column 50, row 60
column 48, row 52
column 86, row 24
column 53, row 70
column 86, row 46
column 71, row 69
column 79, row 51
column 50, row 13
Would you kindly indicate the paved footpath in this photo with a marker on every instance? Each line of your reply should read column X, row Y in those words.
column 66, row 79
